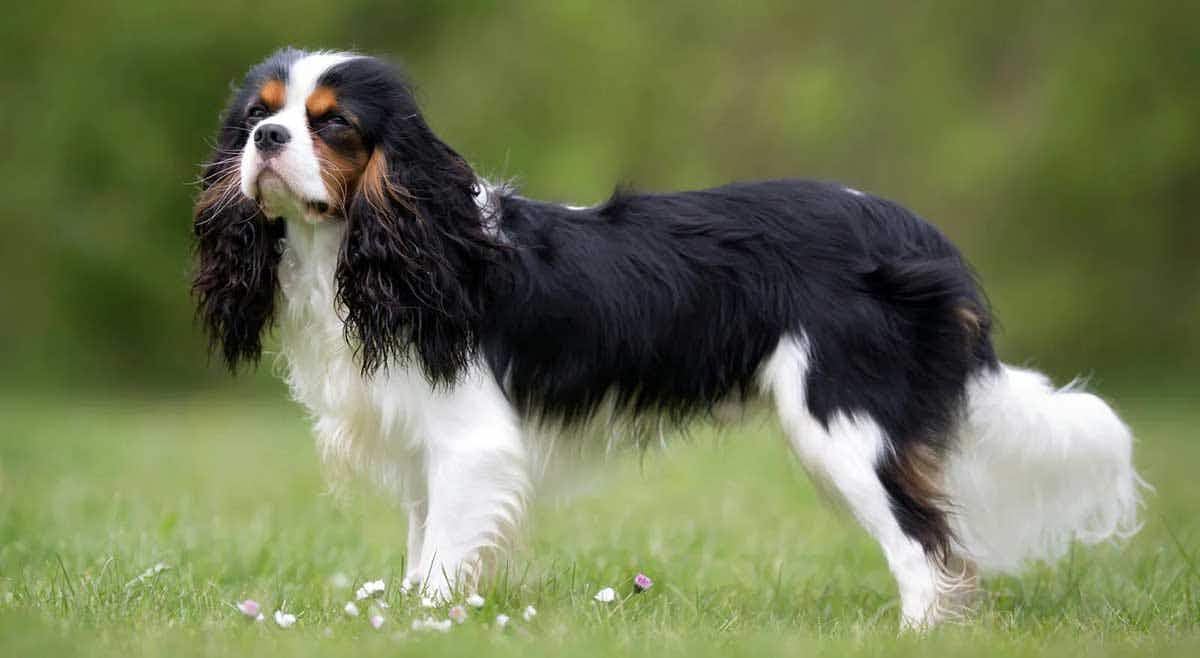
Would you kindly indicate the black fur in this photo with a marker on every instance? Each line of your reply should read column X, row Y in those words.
column 673, row 301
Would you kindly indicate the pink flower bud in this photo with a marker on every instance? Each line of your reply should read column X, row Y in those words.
column 249, row 607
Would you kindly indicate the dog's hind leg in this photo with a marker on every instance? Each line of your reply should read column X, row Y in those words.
column 845, row 453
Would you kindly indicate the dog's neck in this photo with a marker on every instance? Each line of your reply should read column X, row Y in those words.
column 311, row 248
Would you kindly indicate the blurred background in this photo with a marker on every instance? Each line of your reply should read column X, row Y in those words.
column 1057, row 143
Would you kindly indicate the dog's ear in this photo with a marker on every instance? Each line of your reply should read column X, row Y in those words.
column 410, row 271
column 237, row 253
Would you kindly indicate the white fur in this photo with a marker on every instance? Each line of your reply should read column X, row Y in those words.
column 843, row 456
column 1035, row 468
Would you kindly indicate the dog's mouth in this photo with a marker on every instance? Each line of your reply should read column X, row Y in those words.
column 279, row 200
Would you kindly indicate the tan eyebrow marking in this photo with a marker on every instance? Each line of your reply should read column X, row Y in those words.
column 321, row 101
column 273, row 94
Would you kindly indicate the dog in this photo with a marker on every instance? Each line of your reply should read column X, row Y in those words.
column 443, row 331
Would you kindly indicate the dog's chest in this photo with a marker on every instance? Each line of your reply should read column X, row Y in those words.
column 321, row 370
column 355, row 418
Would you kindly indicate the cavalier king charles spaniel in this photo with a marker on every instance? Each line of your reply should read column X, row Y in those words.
column 448, row 336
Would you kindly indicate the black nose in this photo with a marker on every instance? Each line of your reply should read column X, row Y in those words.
column 271, row 137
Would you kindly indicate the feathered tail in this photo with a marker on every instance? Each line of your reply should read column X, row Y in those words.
column 1036, row 468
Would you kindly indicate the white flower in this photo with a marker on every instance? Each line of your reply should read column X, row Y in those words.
column 382, row 604
column 475, row 601
column 339, row 580
column 376, row 621
column 502, row 620
column 250, row 608
column 529, row 613
column 428, row 602
column 431, row 624
column 259, row 617
column 606, row 595
column 283, row 619
column 369, row 589
column 458, row 614
column 351, row 609
column 405, row 586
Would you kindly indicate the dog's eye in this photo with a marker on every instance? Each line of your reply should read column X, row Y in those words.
column 256, row 114
column 335, row 120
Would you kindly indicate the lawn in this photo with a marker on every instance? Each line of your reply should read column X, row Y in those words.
column 227, row 493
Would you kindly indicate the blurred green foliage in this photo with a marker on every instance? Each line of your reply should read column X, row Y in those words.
column 1057, row 143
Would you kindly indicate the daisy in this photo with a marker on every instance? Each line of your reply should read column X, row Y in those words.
column 475, row 601
column 502, row 620
column 376, row 621
column 369, row 589
column 351, row 609
column 529, row 613
column 283, row 619
column 458, row 614
column 606, row 595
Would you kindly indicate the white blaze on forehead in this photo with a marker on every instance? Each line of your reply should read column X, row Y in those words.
column 297, row 167
column 304, row 74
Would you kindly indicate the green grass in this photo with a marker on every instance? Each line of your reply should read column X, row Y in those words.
column 745, row 557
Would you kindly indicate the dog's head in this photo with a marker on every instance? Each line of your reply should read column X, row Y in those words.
column 336, row 137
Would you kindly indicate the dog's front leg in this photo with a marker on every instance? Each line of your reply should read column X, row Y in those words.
column 418, row 510
column 477, row 480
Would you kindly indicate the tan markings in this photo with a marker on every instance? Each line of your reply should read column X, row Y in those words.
column 321, row 102
column 970, row 319
column 273, row 94
column 341, row 169
column 921, row 473
column 377, row 187
column 917, row 471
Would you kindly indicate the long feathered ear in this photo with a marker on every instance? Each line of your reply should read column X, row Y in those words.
column 410, row 274
column 238, row 257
